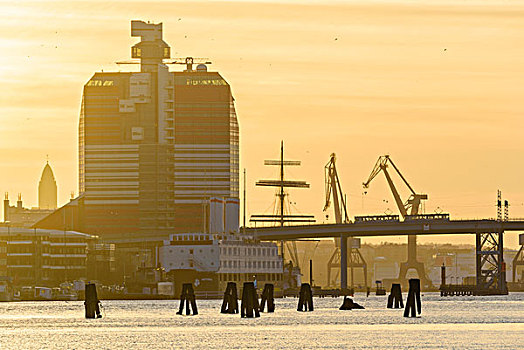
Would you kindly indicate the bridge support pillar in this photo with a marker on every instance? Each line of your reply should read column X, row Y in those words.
column 491, row 269
column 343, row 262
column 518, row 260
column 413, row 263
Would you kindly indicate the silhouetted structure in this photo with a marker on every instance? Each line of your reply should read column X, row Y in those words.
column 268, row 297
column 442, row 275
column 413, row 204
column 230, row 302
column 92, row 304
column 413, row 303
column 18, row 216
column 187, row 297
column 518, row 260
column 280, row 216
column 305, row 300
column 349, row 304
column 47, row 197
column 339, row 259
column 249, row 307
column 490, row 265
column 395, row 297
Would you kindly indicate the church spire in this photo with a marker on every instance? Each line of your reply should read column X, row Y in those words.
column 47, row 198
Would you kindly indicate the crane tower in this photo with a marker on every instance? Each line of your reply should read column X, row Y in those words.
column 412, row 205
column 355, row 258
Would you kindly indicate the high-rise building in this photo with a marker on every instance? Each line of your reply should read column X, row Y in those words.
column 155, row 146
column 47, row 197
column 206, row 146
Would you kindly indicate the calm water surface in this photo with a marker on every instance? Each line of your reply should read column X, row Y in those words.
column 445, row 323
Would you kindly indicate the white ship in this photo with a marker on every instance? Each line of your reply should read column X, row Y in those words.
column 209, row 261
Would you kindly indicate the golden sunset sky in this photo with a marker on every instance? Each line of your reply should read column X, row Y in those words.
column 438, row 85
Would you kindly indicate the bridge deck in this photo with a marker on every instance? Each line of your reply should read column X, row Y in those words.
column 387, row 228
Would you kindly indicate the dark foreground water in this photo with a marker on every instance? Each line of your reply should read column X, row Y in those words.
column 445, row 323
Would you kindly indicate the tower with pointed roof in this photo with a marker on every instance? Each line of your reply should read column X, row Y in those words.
column 47, row 198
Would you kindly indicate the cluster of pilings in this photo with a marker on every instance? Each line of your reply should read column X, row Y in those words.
column 188, row 297
column 305, row 299
column 413, row 303
column 395, row 298
column 268, row 297
column 250, row 306
column 230, row 301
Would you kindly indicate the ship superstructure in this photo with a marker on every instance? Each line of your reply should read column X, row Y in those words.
column 209, row 261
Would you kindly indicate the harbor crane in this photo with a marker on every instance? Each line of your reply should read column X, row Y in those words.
column 334, row 190
column 412, row 205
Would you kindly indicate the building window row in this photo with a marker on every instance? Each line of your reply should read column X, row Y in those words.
column 251, row 264
column 235, row 251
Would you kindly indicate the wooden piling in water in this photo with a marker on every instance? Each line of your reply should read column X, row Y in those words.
column 230, row 302
column 305, row 300
column 413, row 303
column 443, row 275
column 395, row 297
column 187, row 297
column 268, row 296
column 91, row 303
column 249, row 307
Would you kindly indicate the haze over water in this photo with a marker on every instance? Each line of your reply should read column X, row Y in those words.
column 445, row 323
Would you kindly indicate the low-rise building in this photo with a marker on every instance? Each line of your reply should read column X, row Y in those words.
column 3, row 259
column 45, row 257
column 18, row 216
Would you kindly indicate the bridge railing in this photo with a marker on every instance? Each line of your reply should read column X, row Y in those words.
column 514, row 219
column 427, row 217
column 380, row 218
